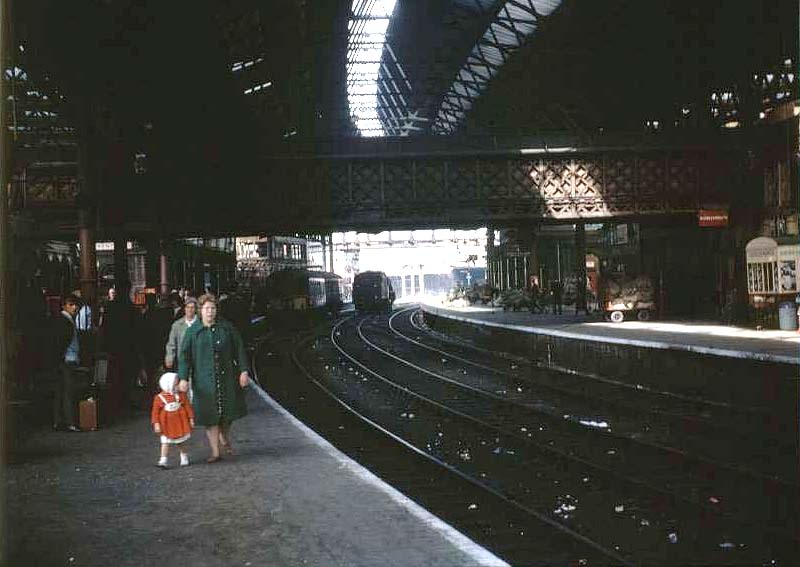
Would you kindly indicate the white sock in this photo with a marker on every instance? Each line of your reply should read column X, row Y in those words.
column 184, row 459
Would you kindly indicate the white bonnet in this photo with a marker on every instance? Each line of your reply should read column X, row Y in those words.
column 167, row 381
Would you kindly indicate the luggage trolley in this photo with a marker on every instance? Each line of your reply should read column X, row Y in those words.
column 628, row 296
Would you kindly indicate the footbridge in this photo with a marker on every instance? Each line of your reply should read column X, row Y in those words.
column 391, row 184
column 395, row 183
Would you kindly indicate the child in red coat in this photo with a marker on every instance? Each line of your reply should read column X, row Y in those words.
column 172, row 417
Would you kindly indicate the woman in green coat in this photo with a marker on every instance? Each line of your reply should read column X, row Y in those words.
column 213, row 355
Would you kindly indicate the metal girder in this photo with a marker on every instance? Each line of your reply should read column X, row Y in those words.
column 479, row 66
column 384, row 192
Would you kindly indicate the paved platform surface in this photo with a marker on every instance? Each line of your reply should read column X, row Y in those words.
column 705, row 338
column 287, row 498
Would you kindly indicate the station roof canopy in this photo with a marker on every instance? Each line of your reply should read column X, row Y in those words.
column 212, row 86
column 404, row 67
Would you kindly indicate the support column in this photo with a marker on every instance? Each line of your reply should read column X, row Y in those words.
column 490, row 256
column 88, row 273
column 163, row 284
column 533, row 256
column 5, row 302
column 330, row 243
column 120, row 260
column 151, row 263
column 580, row 267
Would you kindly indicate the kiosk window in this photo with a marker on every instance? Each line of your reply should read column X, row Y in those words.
column 762, row 277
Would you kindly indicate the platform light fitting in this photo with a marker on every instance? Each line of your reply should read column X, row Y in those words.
column 546, row 150
column 257, row 88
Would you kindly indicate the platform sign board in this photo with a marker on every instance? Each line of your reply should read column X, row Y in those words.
column 715, row 218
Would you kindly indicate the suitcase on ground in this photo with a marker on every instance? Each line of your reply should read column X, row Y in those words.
column 87, row 415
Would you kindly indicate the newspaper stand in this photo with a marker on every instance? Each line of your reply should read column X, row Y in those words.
column 772, row 277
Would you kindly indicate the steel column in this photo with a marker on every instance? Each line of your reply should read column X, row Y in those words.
column 330, row 245
column 163, row 271
column 580, row 267
column 120, row 261
column 5, row 371
column 88, row 274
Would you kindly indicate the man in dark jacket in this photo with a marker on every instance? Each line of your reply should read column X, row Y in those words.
column 121, row 334
column 235, row 308
column 67, row 356
column 558, row 292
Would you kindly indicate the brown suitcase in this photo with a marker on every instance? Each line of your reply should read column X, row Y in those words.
column 87, row 415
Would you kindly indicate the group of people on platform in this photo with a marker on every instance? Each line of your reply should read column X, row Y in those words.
column 537, row 296
column 188, row 356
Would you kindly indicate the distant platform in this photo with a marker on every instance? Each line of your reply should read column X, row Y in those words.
column 702, row 338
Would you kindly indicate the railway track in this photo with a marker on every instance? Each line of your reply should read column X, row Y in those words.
column 626, row 474
column 765, row 446
column 511, row 531
column 706, row 452
column 620, row 498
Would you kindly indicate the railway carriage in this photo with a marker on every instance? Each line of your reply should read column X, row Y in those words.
column 302, row 290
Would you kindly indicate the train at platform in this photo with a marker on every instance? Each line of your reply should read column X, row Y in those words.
column 372, row 291
column 301, row 290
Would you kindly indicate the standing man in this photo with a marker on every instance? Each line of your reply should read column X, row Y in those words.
column 112, row 295
column 67, row 349
column 177, row 332
column 558, row 290
column 535, row 292
column 236, row 310
column 83, row 320
column 123, row 341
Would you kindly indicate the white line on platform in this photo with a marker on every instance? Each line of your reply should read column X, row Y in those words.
column 748, row 355
column 480, row 555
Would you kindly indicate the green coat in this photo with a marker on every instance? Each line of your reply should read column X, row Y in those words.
column 214, row 357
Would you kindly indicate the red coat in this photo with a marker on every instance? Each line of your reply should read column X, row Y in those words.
column 172, row 412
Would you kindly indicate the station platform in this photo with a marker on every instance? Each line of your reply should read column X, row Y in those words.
column 759, row 370
column 286, row 498
column 704, row 338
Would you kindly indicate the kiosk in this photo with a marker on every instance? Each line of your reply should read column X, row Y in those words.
column 772, row 279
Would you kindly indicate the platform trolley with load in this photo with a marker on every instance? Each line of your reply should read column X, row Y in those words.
column 625, row 296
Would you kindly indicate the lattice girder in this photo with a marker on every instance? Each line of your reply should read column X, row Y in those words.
column 397, row 190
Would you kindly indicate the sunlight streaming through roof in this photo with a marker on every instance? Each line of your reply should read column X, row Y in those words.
column 369, row 21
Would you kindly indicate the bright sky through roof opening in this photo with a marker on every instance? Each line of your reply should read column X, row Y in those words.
column 367, row 28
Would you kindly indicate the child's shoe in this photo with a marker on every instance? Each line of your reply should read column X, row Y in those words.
column 162, row 463
column 184, row 460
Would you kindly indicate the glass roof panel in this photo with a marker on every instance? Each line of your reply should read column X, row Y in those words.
column 369, row 21
column 489, row 53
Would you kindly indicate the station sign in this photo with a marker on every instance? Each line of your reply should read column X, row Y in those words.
column 712, row 217
column 109, row 246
